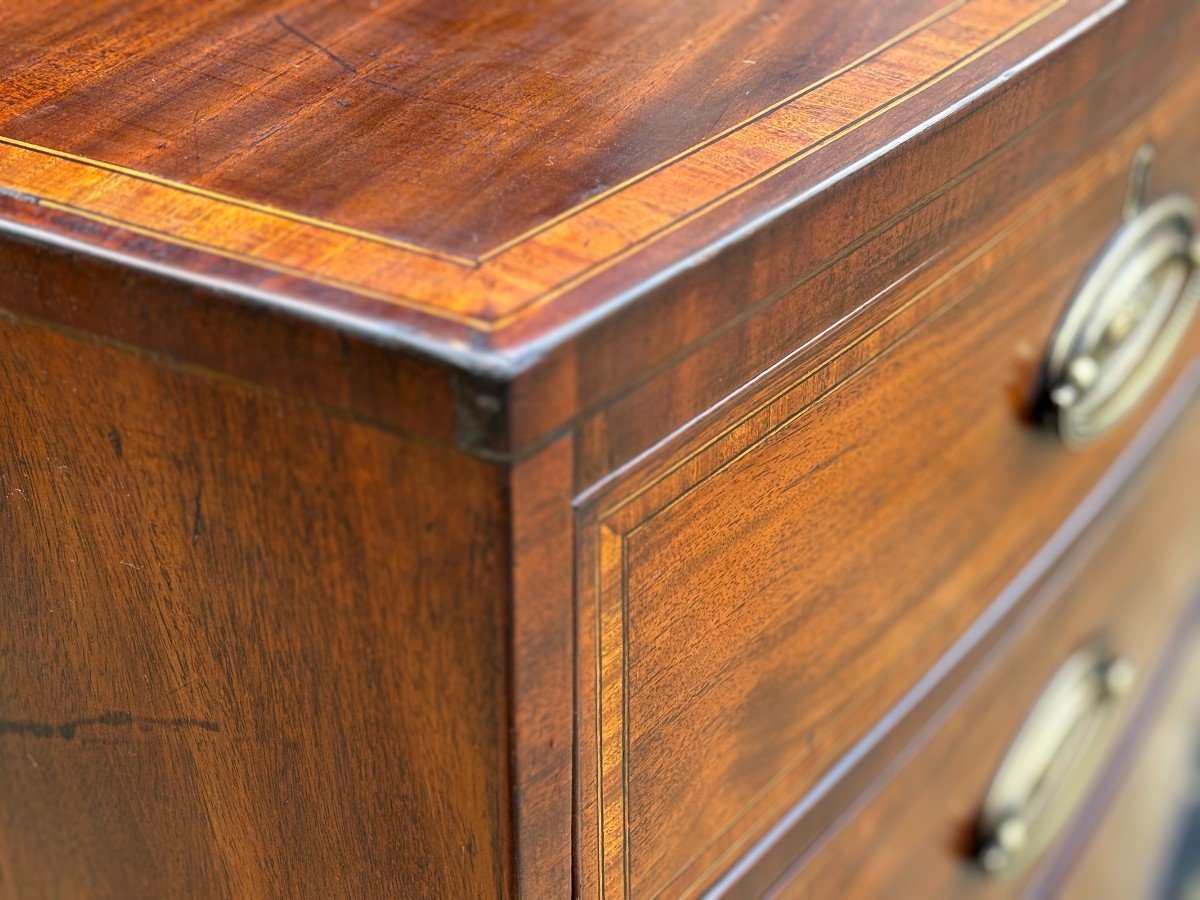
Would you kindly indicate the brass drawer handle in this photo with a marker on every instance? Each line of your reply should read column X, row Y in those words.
column 1051, row 762
column 1126, row 319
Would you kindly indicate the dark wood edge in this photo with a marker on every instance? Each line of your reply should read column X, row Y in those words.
column 201, row 327
column 855, row 779
column 452, row 344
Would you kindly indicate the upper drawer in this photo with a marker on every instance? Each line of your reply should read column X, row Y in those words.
column 752, row 602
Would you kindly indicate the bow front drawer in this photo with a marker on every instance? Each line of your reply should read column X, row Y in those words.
column 754, row 601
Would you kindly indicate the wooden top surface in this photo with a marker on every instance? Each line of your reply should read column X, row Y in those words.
column 455, row 169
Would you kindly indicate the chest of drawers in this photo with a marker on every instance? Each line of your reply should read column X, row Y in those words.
column 613, row 449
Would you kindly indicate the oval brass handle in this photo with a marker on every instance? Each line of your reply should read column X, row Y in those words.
column 1052, row 760
column 1127, row 317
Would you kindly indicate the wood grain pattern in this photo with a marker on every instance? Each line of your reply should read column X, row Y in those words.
column 543, row 715
column 782, row 265
column 249, row 649
column 486, row 106
column 1129, row 581
column 117, row 178
column 810, row 282
column 790, row 528
column 430, row 498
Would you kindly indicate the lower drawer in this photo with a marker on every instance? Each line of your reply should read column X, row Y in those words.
column 1148, row 840
column 1126, row 584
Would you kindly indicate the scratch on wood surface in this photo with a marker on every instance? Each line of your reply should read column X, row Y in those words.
column 384, row 85
column 317, row 45
column 197, row 516
column 69, row 729
column 197, row 161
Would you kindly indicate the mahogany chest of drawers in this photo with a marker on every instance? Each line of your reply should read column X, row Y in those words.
column 598, row 448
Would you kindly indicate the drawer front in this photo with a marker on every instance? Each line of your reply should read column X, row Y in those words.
column 1131, row 580
column 753, row 600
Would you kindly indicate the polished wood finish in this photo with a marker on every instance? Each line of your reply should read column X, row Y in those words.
column 844, row 252
column 490, row 107
column 822, row 530
column 502, row 449
column 276, row 153
column 1132, row 576
column 803, row 250
column 249, row 648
